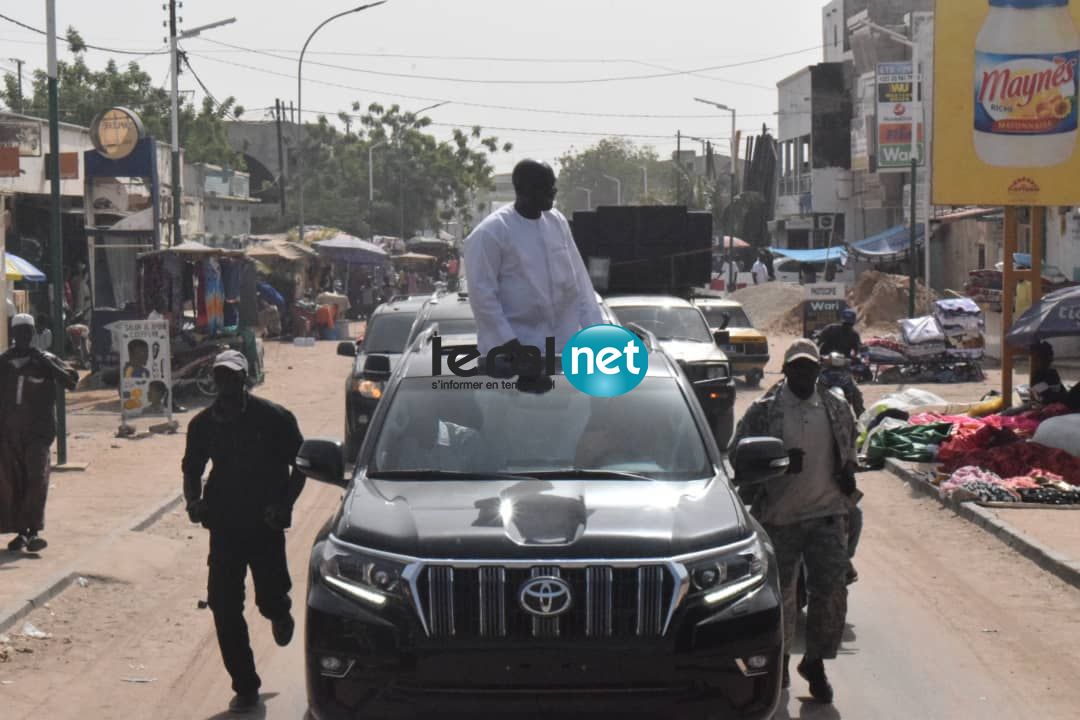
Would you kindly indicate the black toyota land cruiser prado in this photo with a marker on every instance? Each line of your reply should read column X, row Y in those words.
column 503, row 553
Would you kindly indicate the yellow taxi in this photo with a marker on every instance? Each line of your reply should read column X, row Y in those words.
column 747, row 348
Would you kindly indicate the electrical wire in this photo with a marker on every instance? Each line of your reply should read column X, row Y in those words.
column 465, row 103
column 489, row 81
column 39, row 31
column 229, row 113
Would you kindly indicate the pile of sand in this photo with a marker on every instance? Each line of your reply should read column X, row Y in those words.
column 773, row 306
column 882, row 299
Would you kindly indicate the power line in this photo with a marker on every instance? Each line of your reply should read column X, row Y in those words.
column 538, row 131
column 229, row 113
column 465, row 103
column 488, row 81
column 39, row 31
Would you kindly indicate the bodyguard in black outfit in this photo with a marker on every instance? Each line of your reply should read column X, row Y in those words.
column 246, row 504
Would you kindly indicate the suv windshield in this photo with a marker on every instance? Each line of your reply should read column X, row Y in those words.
column 388, row 333
column 668, row 323
column 650, row 431
column 715, row 316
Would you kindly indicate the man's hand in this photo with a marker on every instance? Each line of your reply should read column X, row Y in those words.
column 846, row 479
column 278, row 517
column 795, row 460
column 196, row 511
column 503, row 367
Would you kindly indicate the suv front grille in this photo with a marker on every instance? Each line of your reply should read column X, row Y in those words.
column 606, row 602
column 700, row 372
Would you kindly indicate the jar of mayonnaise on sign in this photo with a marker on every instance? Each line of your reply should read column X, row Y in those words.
column 1026, row 90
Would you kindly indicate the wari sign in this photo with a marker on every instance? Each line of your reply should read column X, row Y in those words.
column 146, row 367
column 897, row 106
column 1006, row 91
column 116, row 132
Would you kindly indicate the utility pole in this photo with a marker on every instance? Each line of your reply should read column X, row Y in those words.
column 279, row 111
column 174, row 58
column 56, row 249
column 645, row 177
column 678, row 166
column 19, row 101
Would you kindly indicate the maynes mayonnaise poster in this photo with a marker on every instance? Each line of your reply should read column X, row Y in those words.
column 1006, row 86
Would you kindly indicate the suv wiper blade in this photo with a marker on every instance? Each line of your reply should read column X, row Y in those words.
column 442, row 475
column 575, row 473
column 685, row 339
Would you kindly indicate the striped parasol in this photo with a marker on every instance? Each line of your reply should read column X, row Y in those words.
column 15, row 268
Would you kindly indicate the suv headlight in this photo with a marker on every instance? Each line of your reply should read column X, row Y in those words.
column 363, row 576
column 729, row 575
column 367, row 388
column 715, row 372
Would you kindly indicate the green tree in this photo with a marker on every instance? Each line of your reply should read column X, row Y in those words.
column 617, row 158
column 85, row 92
column 420, row 182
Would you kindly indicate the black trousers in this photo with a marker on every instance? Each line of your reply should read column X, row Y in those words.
column 232, row 552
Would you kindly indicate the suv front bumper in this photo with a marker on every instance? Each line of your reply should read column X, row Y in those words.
column 391, row 669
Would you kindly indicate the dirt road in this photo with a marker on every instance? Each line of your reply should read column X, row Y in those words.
column 946, row 622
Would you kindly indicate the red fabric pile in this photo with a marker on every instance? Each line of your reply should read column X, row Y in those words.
column 1013, row 460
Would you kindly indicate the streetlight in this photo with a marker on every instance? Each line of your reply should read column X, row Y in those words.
column 916, row 111
column 645, row 175
column 588, row 196
column 734, row 152
column 300, row 101
column 174, row 56
column 618, row 188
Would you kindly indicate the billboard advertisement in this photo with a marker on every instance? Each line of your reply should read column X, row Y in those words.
column 1006, row 91
column 897, row 106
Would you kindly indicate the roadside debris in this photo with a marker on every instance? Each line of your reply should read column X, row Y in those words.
column 31, row 631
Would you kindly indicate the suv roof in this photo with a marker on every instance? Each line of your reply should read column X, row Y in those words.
column 648, row 301
column 453, row 306
column 717, row 302
column 410, row 304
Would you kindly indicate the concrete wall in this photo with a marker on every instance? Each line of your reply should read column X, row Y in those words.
column 831, row 190
column 32, row 180
column 794, row 97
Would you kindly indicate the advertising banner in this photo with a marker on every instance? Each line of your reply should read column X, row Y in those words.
column 896, row 106
column 146, row 372
column 1005, row 110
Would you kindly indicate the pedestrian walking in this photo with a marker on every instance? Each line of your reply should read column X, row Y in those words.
column 527, row 281
column 760, row 272
column 28, row 384
column 805, row 513
column 246, row 504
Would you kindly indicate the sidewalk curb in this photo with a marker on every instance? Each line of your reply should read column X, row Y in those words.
column 1046, row 558
column 59, row 582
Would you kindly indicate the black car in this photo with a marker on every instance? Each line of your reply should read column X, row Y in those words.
column 501, row 553
column 684, row 333
column 376, row 356
column 451, row 311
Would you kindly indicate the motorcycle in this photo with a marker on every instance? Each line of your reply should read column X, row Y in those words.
column 837, row 374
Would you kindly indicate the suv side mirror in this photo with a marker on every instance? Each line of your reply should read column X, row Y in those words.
column 346, row 349
column 759, row 460
column 722, row 337
column 322, row 460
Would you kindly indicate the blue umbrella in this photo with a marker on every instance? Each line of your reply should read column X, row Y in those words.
column 1056, row 315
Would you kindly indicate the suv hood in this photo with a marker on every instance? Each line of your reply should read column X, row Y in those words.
column 541, row 519
column 689, row 351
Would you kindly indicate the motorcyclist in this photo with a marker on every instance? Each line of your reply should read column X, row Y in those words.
column 841, row 337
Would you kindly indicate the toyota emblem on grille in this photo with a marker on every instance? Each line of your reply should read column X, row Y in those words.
column 545, row 596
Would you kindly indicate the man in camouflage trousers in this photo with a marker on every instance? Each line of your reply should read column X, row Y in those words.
column 806, row 511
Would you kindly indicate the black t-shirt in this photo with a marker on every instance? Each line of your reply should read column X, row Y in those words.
column 252, row 458
column 1047, row 388
column 839, row 338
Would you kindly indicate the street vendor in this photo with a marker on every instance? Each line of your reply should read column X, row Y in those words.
column 1046, row 385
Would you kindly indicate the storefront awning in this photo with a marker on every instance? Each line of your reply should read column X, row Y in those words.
column 836, row 254
column 889, row 244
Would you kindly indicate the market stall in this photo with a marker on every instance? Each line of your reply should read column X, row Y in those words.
column 946, row 346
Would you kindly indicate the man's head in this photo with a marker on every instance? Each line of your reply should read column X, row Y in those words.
column 802, row 366
column 230, row 374
column 534, row 185
column 848, row 316
column 1042, row 355
column 138, row 353
column 22, row 330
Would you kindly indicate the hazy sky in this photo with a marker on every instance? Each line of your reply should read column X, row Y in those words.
column 475, row 40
